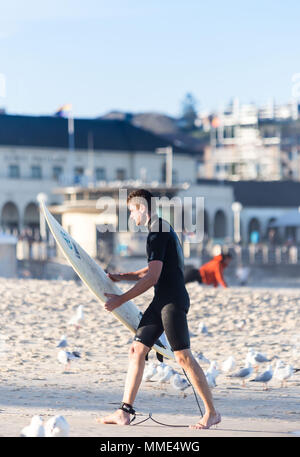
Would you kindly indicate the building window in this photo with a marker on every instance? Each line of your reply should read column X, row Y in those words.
column 120, row 174
column 100, row 174
column 57, row 172
column 36, row 172
column 14, row 171
column 78, row 173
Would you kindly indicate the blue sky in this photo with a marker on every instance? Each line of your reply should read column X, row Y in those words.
column 136, row 55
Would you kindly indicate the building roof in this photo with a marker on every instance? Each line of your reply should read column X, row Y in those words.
column 52, row 132
column 263, row 193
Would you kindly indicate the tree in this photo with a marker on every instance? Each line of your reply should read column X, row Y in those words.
column 189, row 112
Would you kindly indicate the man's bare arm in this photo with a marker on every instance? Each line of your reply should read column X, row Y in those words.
column 132, row 276
column 146, row 281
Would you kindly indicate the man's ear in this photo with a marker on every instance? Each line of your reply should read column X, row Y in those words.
column 143, row 208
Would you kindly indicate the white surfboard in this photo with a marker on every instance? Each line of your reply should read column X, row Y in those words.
column 97, row 281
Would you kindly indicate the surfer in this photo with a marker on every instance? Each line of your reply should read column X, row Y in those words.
column 167, row 311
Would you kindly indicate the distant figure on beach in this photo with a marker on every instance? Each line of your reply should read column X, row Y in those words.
column 167, row 311
column 242, row 273
column 211, row 273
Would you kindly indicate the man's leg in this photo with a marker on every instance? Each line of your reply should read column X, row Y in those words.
column 134, row 377
column 197, row 377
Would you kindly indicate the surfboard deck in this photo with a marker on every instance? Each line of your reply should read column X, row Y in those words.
column 97, row 280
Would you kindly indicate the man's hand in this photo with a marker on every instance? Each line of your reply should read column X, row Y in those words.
column 115, row 277
column 113, row 302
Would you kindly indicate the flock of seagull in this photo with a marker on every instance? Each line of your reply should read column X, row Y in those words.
column 56, row 426
column 162, row 373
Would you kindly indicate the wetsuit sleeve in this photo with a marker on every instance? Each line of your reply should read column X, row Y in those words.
column 219, row 276
column 157, row 245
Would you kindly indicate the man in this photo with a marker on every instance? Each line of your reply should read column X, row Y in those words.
column 167, row 311
column 211, row 272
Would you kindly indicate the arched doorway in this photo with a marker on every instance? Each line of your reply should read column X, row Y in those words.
column 32, row 218
column 220, row 224
column 10, row 217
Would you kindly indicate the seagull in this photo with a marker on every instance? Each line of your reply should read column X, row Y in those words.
column 159, row 372
column 63, row 342
column 149, row 371
column 202, row 328
column 244, row 373
column 240, row 324
column 211, row 380
column 65, row 357
column 213, row 369
column 255, row 358
column 57, row 426
column 78, row 317
column 228, row 365
column 35, row 429
column 202, row 358
column 179, row 383
column 283, row 372
column 264, row 377
column 167, row 374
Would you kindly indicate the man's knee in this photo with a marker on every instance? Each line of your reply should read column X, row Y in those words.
column 138, row 351
column 183, row 358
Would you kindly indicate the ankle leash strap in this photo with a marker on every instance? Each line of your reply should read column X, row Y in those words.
column 128, row 409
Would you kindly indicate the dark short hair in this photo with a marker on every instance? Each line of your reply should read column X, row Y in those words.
column 143, row 196
column 228, row 255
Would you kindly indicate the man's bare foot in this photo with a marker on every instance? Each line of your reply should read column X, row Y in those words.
column 119, row 417
column 207, row 421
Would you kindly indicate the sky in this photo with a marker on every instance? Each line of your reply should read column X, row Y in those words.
column 141, row 56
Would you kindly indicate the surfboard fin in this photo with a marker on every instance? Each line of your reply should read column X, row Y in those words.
column 160, row 358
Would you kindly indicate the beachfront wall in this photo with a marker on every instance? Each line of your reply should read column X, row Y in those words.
column 259, row 219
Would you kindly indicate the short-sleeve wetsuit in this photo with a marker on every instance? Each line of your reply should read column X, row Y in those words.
column 168, row 309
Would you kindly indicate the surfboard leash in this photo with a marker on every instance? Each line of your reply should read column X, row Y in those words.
column 170, row 425
column 194, row 392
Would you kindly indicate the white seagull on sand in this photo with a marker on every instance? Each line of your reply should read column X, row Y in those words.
column 168, row 372
column 255, row 358
column 244, row 373
column 264, row 377
column 65, row 357
column 57, row 426
column 202, row 328
column 63, row 342
column 211, row 380
column 159, row 372
column 35, row 429
column 77, row 318
column 228, row 365
column 149, row 371
column 283, row 372
column 179, row 383
column 201, row 358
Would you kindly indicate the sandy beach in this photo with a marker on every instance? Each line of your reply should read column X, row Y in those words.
column 35, row 314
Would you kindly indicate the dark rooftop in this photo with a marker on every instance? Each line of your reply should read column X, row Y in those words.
column 52, row 132
column 262, row 193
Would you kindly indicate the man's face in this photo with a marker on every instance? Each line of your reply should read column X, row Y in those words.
column 138, row 213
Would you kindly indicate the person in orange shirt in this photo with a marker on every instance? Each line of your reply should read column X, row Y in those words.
column 211, row 273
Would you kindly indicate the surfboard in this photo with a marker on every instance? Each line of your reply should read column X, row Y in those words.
column 97, row 280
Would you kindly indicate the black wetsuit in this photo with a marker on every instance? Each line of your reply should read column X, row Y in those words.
column 168, row 309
